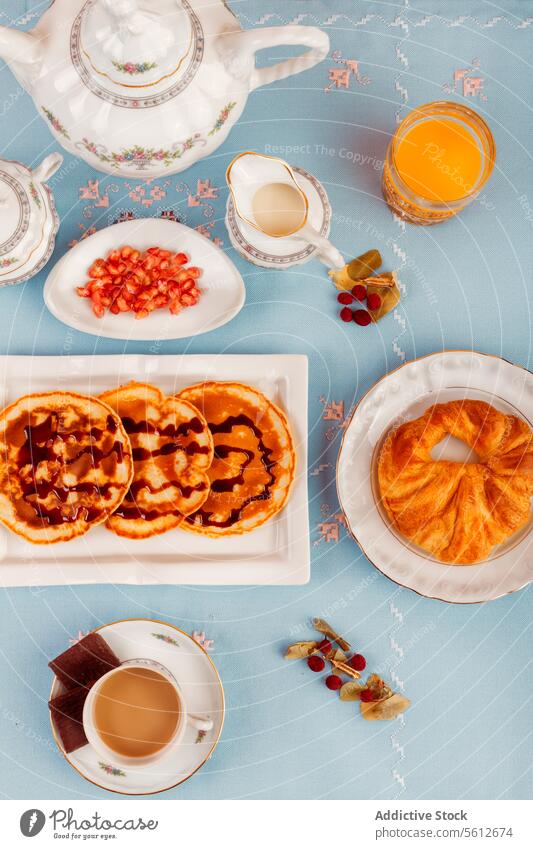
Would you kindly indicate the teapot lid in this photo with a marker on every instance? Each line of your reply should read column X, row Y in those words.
column 134, row 54
column 15, row 209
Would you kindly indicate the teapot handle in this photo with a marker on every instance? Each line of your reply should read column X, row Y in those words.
column 48, row 167
column 259, row 39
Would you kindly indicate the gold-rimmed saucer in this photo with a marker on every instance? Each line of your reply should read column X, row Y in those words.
column 402, row 394
column 199, row 679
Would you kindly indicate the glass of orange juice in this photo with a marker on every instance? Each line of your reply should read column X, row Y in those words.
column 439, row 158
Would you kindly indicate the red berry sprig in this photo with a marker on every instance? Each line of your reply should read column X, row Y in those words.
column 316, row 663
column 373, row 301
column 367, row 696
column 376, row 698
column 359, row 293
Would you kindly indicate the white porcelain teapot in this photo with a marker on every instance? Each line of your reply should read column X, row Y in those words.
column 143, row 88
column 28, row 218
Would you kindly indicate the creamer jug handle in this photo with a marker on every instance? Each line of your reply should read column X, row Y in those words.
column 259, row 39
column 325, row 251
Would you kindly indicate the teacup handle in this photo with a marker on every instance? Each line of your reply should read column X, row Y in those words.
column 259, row 39
column 47, row 168
column 201, row 723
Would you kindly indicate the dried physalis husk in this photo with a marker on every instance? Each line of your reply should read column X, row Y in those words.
column 299, row 650
column 378, row 687
column 336, row 656
column 388, row 708
column 351, row 691
column 322, row 626
column 345, row 668
column 386, row 286
column 360, row 267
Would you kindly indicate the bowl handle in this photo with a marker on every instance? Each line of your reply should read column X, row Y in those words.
column 259, row 39
column 48, row 166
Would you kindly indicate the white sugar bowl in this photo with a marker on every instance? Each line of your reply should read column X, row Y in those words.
column 28, row 218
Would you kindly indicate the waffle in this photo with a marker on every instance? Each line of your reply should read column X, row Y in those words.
column 65, row 465
column 172, row 449
column 254, row 459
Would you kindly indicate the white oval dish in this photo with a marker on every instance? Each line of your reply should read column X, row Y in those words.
column 402, row 395
column 223, row 292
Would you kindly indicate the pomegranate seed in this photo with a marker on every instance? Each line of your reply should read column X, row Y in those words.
column 367, row 696
column 131, row 281
column 358, row 662
column 359, row 292
column 316, row 663
column 362, row 318
column 346, row 314
column 373, row 301
column 325, row 646
column 333, row 682
column 345, row 298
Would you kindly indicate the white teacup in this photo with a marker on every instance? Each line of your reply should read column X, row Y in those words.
column 185, row 718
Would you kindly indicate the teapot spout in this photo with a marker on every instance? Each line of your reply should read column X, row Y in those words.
column 19, row 49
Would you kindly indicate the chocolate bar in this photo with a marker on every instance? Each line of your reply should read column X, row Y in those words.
column 67, row 714
column 84, row 662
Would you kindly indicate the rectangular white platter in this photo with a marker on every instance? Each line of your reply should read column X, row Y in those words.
column 276, row 553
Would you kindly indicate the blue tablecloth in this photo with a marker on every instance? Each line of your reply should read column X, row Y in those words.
column 467, row 285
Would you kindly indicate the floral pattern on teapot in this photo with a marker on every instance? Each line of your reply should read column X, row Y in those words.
column 133, row 68
column 141, row 157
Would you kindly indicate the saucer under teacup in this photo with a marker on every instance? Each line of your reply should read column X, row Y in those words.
column 270, row 252
column 201, row 685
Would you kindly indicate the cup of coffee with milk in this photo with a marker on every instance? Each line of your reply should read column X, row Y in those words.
column 137, row 712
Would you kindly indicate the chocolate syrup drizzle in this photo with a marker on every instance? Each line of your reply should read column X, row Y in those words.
column 129, row 509
column 125, row 511
column 39, row 447
column 204, row 517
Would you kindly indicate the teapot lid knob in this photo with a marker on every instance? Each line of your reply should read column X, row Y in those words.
column 134, row 46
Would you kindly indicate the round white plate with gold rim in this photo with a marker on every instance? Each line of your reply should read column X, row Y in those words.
column 405, row 394
column 202, row 688
column 222, row 287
